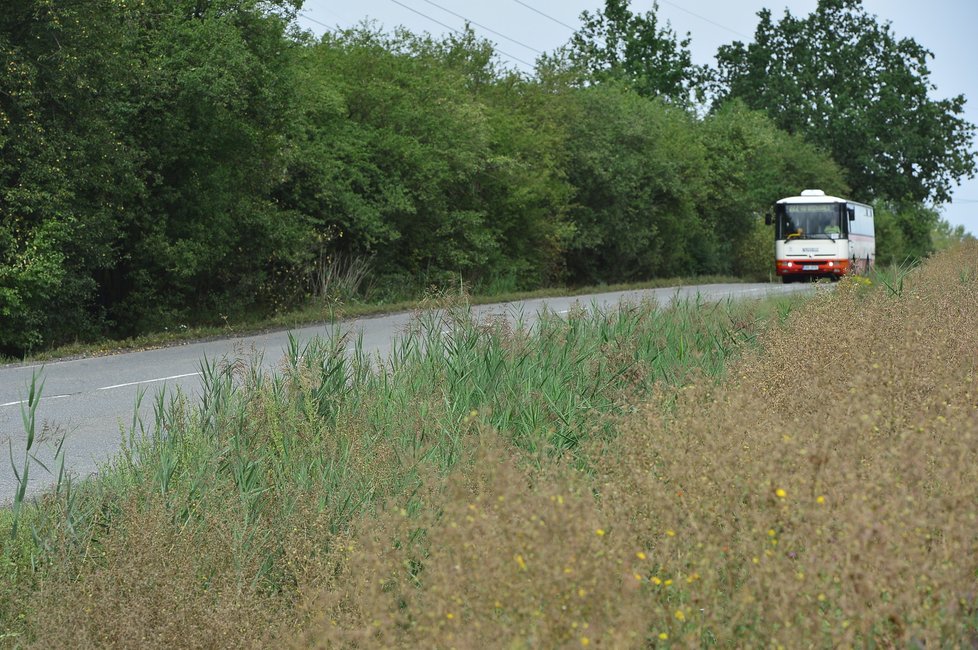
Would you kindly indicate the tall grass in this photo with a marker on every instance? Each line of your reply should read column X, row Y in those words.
column 892, row 277
column 234, row 500
column 823, row 496
column 686, row 477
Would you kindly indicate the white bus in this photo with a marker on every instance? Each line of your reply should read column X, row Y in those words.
column 819, row 236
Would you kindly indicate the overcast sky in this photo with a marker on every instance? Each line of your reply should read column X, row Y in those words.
column 521, row 28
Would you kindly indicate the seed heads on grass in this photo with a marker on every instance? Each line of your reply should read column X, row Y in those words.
column 319, row 453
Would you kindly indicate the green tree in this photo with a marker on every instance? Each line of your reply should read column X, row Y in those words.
column 617, row 44
column 391, row 149
column 638, row 168
column 138, row 144
column 65, row 168
column 210, row 98
column 428, row 161
column 752, row 164
column 945, row 236
column 903, row 232
column 844, row 81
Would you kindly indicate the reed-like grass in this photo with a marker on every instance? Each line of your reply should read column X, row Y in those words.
column 823, row 495
column 264, row 476
column 794, row 474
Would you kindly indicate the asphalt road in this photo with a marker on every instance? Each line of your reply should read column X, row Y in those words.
column 92, row 401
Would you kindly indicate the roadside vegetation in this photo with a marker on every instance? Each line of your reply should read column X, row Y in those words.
column 267, row 474
column 169, row 164
column 332, row 310
column 740, row 474
column 792, row 473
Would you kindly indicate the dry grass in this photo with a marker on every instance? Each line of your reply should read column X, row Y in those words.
column 824, row 496
column 498, row 556
column 153, row 582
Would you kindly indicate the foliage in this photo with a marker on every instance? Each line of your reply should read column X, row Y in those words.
column 637, row 167
column 751, row 165
column 845, row 82
column 944, row 235
column 212, row 98
column 60, row 171
column 904, row 232
column 137, row 143
column 179, row 164
column 616, row 44
column 407, row 164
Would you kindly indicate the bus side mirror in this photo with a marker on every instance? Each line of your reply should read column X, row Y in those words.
column 767, row 219
column 852, row 213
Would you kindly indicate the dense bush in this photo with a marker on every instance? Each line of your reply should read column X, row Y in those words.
column 176, row 163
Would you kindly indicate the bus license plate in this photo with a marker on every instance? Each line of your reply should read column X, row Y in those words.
column 809, row 267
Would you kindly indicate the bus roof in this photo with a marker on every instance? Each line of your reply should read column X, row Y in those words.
column 815, row 196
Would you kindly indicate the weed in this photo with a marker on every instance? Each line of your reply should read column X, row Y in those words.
column 893, row 277
column 648, row 475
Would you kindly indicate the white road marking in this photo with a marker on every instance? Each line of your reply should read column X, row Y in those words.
column 150, row 381
column 24, row 401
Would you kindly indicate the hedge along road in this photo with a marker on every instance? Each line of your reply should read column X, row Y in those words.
column 91, row 401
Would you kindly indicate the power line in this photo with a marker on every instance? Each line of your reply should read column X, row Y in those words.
column 695, row 15
column 305, row 16
column 671, row 4
column 548, row 16
column 491, row 31
column 343, row 19
column 449, row 27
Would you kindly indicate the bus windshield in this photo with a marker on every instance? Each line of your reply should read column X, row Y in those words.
column 811, row 221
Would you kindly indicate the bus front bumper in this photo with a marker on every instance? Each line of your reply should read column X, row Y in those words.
column 824, row 268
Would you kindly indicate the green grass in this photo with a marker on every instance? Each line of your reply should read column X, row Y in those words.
column 332, row 435
column 570, row 471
